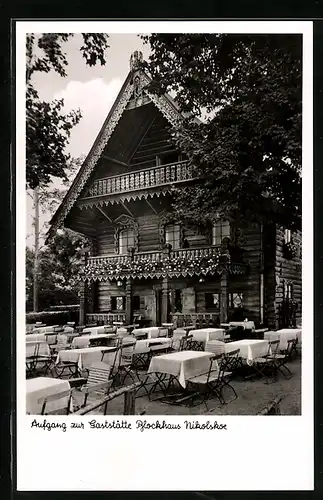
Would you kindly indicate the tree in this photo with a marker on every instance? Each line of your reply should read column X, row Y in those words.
column 47, row 198
column 47, row 127
column 247, row 150
column 57, row 270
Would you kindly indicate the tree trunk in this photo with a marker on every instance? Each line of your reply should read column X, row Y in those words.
column 35, row 276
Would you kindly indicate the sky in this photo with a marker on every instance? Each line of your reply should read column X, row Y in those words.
column 91, row 89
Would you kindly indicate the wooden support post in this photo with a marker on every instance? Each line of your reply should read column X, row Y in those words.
column 224, row 298
column 165, row 301
column 129, row 308
column 83, row 293
column 129, row 402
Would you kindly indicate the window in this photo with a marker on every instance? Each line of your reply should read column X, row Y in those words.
column 172, row 235
column 126, row 240
column 167, row 159
column 136, row 302
column 236, row 300
column 118, row 303
column 288, row 291
column 220, row 230
column 212, row 300
column 288, row 235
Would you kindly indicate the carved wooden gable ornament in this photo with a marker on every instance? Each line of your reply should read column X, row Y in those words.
column 134, row 86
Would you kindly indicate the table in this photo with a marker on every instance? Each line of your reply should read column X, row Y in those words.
column 86, row 356
column 151, row 332
column 283, row 336
column 48, row 329
column 40, row 387
column 35, row 336
column 37, row 347
column 247, row 325
column 205, row 334
column 182, row 365
column 147, row 345
column 249, row 348
column 85, row 340
column 93, row 330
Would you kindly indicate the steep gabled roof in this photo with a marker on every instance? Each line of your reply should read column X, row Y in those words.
column 165, row 105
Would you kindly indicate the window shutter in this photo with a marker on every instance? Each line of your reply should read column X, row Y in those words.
column 113, row 303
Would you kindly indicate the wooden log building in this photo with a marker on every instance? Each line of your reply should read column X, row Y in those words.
column 139, row 267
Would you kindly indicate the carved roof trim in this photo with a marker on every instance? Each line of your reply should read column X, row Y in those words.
column 163, row 103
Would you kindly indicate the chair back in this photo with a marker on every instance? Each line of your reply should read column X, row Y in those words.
column 98, row 372
column 215, row 365
column 230, row 360
column 126, row 354
column 215, row 346
column 55, row 397
column 273, row 348
column 185, row 343
column 62, row 339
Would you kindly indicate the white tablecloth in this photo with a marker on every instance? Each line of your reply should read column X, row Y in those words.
column 31, row 337
column 147, row 345
column 250, row 325
column 40, row 387
column 297, row 331
column 86, row 356
column 47, row 329
column 31, row 348
column 205, row 334
column 183, row 364
column 93, row 330
column 84, row 340
column 151, row 332
column 283, row 336
column 249, row 348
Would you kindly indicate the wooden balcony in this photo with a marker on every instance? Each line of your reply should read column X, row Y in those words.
column 162, row 175
column 157, row 264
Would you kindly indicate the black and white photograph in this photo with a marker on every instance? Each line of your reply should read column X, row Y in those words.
column 164, row 227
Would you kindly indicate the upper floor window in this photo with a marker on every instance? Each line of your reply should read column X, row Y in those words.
column 288, row 236
column 220, row 230
column 172, row 235
column 167, row 158
column 126, row 240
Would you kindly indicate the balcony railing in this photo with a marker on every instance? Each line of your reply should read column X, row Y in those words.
column 156, row 264
column 155, row 256
column 142, row 179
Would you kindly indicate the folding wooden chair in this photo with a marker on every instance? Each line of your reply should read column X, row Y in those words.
column 98, row 381
column 55, row 397
column 40, row 363
column 213, row 382
column 264, row 363
column 280, row 359
column 215, row 346
column 186, row 343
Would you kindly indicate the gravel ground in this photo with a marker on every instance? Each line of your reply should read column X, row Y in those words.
column 253, row 396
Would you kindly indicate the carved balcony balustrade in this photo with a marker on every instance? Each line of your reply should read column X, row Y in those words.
column 157, row 264
column 162, row 175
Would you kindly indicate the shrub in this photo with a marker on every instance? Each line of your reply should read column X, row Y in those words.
column 52, row 317
column 70, row 307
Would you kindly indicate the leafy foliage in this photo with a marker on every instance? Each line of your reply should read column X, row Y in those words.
column 47, row 127
column 58, row 267
column 247, row 150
